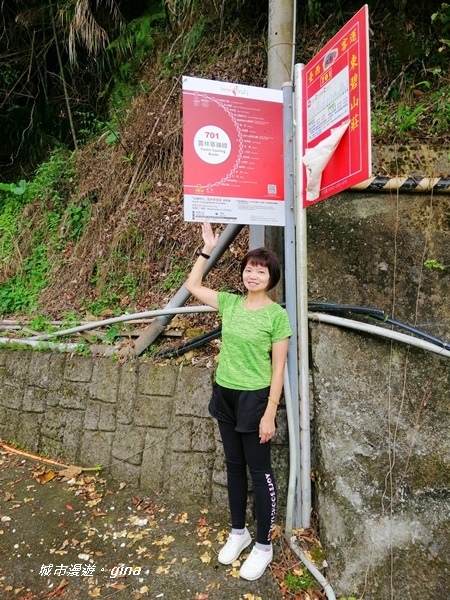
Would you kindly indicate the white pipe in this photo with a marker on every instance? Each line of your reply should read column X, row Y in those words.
column 291, row 509
column 41, row 345
column 313, row 569
column 317, row 317
column 377, row 330
column 125, row 317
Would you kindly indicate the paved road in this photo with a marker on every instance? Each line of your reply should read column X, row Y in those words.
column 85, row 536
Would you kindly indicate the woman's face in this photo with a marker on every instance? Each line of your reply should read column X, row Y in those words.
column 256, row 278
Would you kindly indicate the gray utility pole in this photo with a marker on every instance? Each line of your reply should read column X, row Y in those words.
column 279, row 70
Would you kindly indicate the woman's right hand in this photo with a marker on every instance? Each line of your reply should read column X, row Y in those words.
column 210, row 238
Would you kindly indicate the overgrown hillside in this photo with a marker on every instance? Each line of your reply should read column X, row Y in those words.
column 99, row 230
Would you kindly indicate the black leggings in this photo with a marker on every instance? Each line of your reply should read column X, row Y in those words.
column 242, row 449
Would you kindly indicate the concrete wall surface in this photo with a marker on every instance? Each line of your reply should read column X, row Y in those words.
column 381, row 408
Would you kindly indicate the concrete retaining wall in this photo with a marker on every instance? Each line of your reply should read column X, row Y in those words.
column 381, row 409
column 148, row 424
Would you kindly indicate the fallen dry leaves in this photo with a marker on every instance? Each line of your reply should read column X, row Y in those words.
column 144, row 535
column 287, row 562
column 44, row 476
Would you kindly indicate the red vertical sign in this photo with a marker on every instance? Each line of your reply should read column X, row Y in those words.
column 337, row 103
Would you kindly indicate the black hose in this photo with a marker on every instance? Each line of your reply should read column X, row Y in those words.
column 194, row 343
column 331, row 307
column 379, row 315
column 327, row 307
column 419, row 333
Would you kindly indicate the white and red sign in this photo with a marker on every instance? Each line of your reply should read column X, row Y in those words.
column 233, row 153
column 336, row 112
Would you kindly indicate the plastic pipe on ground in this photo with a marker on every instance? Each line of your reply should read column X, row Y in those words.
column 312, row 569
column 61, row 347
column 151, row 313
column 312, row 316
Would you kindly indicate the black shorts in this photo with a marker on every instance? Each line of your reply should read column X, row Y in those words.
column 242, row 408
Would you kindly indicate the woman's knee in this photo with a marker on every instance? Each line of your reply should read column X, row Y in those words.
column 237, row 467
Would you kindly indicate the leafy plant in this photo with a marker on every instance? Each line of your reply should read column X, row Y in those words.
column 130, row 50
column 441, row 19
column 302, row 581
column 69, row 320
column 51, row 174
column 388, row 125
column 128, row 285
column 17, row 189
column 176, row 275
column 113, row 138
column 440, row 110
column 77, row 216
column 111, row 334
column 107, row 300
column 41, row 323
column 19, row 445
column 21, row 291
column 9, row 225
column 407, row 118
column 28, row 243
column 432, row 264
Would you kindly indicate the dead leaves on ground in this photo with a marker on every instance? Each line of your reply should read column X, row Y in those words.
column 287, row 562
column 44, row 476
column 143, row 536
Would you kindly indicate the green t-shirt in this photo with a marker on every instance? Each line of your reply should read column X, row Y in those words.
column 247, row 337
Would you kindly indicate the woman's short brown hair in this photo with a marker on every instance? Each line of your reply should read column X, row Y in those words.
column 264, row 258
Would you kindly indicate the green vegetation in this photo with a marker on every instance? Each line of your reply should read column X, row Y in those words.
column 300, row 582
column 31, row 233
column 130, row 50
column 177, row 273
column 41, row 323
column 433, row 265
column 111, row 334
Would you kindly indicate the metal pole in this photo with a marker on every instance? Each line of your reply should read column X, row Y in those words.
column 302, row 307
column 293, row 510
column 280, row 53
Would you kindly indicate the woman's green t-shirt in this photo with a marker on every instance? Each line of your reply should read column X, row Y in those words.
column 247, row 337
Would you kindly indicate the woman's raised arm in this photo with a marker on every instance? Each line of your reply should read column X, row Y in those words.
column 194, row 283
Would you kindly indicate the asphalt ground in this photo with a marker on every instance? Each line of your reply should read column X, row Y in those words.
column 82, row 535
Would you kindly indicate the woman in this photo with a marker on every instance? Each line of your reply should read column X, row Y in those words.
column 246, row 394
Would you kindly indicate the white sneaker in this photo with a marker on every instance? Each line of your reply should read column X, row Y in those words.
column 256, row 564
column 234, row 546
